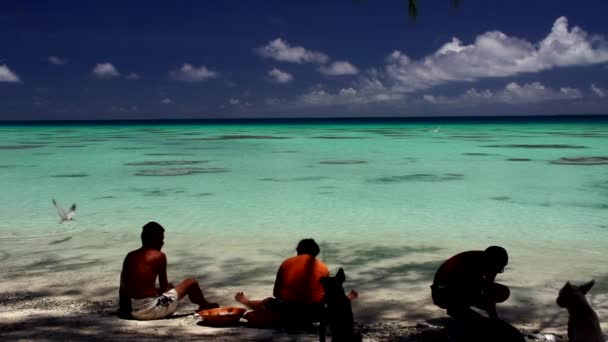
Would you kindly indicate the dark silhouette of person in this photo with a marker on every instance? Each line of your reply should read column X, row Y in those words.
column 139, row 296
column 467, row 279
column 297, row 295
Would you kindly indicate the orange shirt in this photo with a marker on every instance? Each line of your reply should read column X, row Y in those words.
column 298, row 280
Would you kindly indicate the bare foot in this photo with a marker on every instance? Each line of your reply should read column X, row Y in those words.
column 353, row 295
column 240, row 297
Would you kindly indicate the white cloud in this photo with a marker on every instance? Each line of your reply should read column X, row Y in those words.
column 234, row 101
column 494, row 54
column 280, row 76
column 167, row 101
column 349, row 96
column 280, row 50
column 6, row 75
column 512, row 93
column 105, row 70
column 599, row 91
column 57, row 60
column 132, row 76
column 190, row 73
column 124, row 110
column 271, row 101
column 339, row 68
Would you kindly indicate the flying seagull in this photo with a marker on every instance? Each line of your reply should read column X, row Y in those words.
column 69, row 216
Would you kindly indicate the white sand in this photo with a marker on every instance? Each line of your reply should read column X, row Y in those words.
column 68, row 290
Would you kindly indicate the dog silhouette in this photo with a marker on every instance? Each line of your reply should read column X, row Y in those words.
column 583, row 323
column 338, row 313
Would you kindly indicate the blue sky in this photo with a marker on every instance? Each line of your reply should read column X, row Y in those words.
column 251, row 59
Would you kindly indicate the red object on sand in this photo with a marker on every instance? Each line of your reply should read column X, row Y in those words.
column 222, row 317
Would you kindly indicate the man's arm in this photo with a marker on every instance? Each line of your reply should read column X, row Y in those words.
column 488, row 280
column 164, row 285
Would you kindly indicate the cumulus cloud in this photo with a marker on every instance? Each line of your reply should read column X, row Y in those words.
column 494, row 54
column 513, row 93
column 600, row 92
column 6, row 75
column 132, row 76
column 280, row 76
column 339, row 68
column 57, row 60
column 190, row 73
column 366, row 94
column 105, row 70
column 167, row 101
column 281, row 51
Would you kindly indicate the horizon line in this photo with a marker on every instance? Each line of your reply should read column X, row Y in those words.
column 314, row 119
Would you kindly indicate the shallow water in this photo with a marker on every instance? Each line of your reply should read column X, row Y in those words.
column 403, row 196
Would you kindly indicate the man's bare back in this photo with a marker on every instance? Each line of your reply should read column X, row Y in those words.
column 139, row 296
column 139, row 272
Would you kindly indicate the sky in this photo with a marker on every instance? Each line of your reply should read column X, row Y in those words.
column 226, row 59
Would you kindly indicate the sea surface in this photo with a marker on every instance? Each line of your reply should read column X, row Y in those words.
column 368, row 191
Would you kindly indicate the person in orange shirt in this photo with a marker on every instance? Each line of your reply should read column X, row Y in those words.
column 298, row 293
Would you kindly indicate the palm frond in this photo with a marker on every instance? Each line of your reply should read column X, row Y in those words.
column 412, row 8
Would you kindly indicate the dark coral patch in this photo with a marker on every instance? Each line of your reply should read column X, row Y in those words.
column 548, row 146
column 71, row 175
column 518, row 159
column 310, row 178
column 295, row 179
column 131, row 148
column 241, row 137
column 419, row 177
column 342, row 162
column 204, row 194
column 500, row 198
column 582, row 161
column 168, row 154
column 179, row 171
column 477, row 154
column 71, row 145
column 333, row 137
column 19, row 147
column 167, row 162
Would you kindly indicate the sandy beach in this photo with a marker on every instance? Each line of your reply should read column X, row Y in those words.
column 66, row 289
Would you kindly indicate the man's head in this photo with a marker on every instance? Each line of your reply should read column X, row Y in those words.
column 308, row 246
column 497, row 258
column 153, row 235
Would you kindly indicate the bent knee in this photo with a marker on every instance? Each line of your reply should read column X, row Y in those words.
column 501, row 293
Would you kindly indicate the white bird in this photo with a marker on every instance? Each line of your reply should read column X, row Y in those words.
column 69, row 216
column 435, row 130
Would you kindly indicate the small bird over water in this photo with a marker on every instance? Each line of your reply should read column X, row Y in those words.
column 69, row 216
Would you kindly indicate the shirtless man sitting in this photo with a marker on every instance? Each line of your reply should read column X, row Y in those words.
column 298, row 293
column 139, row 297
column 467, row 279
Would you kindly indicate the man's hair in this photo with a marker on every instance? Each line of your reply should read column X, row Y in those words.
column 497, row 255
column 308, row 246
column 151, row 232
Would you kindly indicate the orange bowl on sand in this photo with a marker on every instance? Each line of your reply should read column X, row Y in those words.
column 222, row 317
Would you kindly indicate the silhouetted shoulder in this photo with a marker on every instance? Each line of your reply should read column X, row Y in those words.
column 459, row 265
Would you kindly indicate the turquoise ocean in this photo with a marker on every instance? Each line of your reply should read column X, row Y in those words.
column 368, row 191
